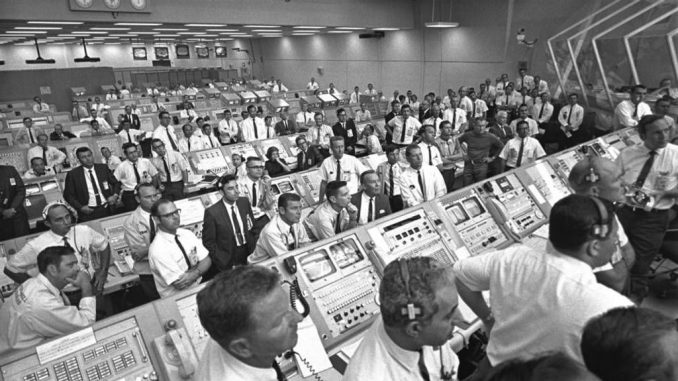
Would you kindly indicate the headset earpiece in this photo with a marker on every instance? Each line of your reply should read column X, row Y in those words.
column 53, row 204
column 410, row 310
column 603, row 228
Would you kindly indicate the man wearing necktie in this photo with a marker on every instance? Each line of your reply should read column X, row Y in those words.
column 132, row 172
column 404, row 127
column 521, row 150
column 428, row 146
column 420, row 183
column 411, row 340
column 340, row 167
column 283, row 233
column 176, row 256
column 172, row 171
column 308, row 157
column 253, row 127
column 165, row 132
column 334, row 215
column 227, row 227
column 53, row 157
column 345, row 127
column 129, row 135
column 285, row 126
column 246, row 355
column 371, row 201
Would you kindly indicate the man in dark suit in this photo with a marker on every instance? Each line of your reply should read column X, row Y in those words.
column 227, row 228
column 308, row 157
column 371, row 202
column 91, row 188
column 285, row 126
column 130, row 117
column 395, row 111
column 500, row 127
column 345, row 127
column 13, row 217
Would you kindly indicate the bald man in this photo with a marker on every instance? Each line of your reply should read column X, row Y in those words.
column 599, row 177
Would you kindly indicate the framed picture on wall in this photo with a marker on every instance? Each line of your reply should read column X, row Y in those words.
column 161, row 53
column 220, row 51
column 139, row 54
column 202, row 51
column 183, row 51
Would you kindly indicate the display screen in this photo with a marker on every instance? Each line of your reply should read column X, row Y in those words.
column 457, row 213
column 346, row 253
column 317, row 265
column 473, row 207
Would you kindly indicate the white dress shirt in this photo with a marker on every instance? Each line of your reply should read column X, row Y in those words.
column 363, row 116
column 371, row 92
column 112, row 162
column 354, row 98
column 304, row 117
column 576, row 118
column 480, row 110
column 248, row 125
column 532, row 124
column 164, row 133
column 541, row 301
column 209, row 141
column 245, row 185
column 455, row 116
column 412, row 126
column 545, row 115
column 384, row 172
column 30, row 174
column 435, row 122
column 320, row 135
column 94, row 189
column 195, row 141
column 663, row 174
column 435, row 156
column 40, row 108
column 365, row 209
column 167, row 261
column 125, row 173
column 54, row 156
column 185, row 114
column 82, row 238
column 38, row 311
column 378, row 358
column 278, row 88
column 312, row 86
column 216, row 363
column 321, row 222
column 624, row 113
column 527, row 79
column 137, row 233
column 434, row 185
column 176, row 163
column 276, row 239
column 466, row 104
column 228, row 130
column 130, row 134
column 532, row 151
column 103, row 124
column 351, row 168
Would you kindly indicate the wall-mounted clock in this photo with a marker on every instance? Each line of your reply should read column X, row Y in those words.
column 112, row 4
column 139, row 4
column 84, row 3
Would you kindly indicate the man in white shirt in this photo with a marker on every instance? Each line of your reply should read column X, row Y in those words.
column 465, row 102
column 112, row 161
column 508, row 99
column 305, row 118
column 522, row 117
column 132, row 172
column 40, row 107
column 176, row 256
column 38, row 310
column 190, row 142
column 502, row 83
column 332, row 90
column 38, row 169
column 50, row 155
column 570, row 119
column 478, row 106
column 208, row 139
column 354, row 98
column 334, row 215
column 256, row 187
column 410, row 339
column 155, row 105
column 372, row 204
column 630, row 111
column 520, row 150
column 363, row 115
column 662, row 107
column 541, row 85
column 78, row 111
column 340, row 167
column 284, row 233
column 523, row 97
column 172, row 170
column 420, row 183
column 165, row 132
column 228, row 129
column 541, row 301
column 543, row 110
column 94, row 115
column 524, row 80
column 279, row 87
column 319, row 135
column 434, row 119
column 371, row 90
column 129, row 135
column 456, row 116
column 111, row 96
column 312, row 85
column 404, row 127
column 246, row 296
column 429, row 150
column 253, row 128
column 389, row 173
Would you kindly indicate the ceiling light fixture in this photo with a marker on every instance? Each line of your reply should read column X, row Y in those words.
column 267, row 30
column 26, row 32
column 440, row 24
column 88, row 32
column 205, row 25
column 137, row 24
column 303, row 34
column 310, row 27
column 121, row 29
column 170, row 29
column 192, row 33
column 386, row 29
column 262, row 26
column 86, row 58
column 38, row 27
column 56, row 22
column 350, row 28
column 221, row 30
column 166, row 35
column 40, row 60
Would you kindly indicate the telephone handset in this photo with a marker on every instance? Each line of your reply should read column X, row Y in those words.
column 178, row 358
column 500, row 213
column 295, row 291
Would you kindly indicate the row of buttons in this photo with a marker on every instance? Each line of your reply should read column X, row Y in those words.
column 68, row 370
column 98, row 372
column 42, row 374
column 123, row 361
column 103, row 349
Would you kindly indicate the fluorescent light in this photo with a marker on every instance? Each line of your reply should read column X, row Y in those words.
column 225, row 39
column 303, row 34
column 193, row 39
column 339, row 31
column 88, row 32
column 237, row 33
column 112, row 43
column 267, row 30
column 310, row 27
column 441, row 24
column 56, row 22
column 138, row 43
column 137, row 24
column 166, row 35
column 221, row 30
column 210, row 35
column 110, row 28
column 170, row 29
column 192, row 33
column 244, row 35
column 38, row 27
column 270, row 34
column 350, row 28
column 17, row 35
column 385, row 29
column 123, row 35
column 205, row 25
column 262, row 26
column 145, row 32
column 26, row 32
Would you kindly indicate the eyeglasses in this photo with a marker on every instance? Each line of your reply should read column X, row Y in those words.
column 175, row 213
column 256, row 167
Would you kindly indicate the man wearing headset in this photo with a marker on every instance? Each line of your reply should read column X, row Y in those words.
column 410, row 341
column 541, row 301
column 61, row 220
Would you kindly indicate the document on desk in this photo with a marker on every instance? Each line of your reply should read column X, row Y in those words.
column 310, row 349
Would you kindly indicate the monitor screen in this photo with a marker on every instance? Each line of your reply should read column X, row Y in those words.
column 473, row 207
column 317, row 265
column 346, row 253
column 457, row 213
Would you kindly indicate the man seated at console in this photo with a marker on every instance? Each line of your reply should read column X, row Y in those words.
column 334, row 215
column 370, row 201
column 37, row 310
column 38, row 169
column 410, row 339
column 542, row 300
column 284, row 232
column 631, row 344
column 249, row 319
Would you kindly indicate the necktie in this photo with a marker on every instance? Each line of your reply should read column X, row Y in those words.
column 337, row 224
column 285, row 126
column 129, row 138
column 66, row 244
column 30, row 134
column 421, row 185
column 507, row 101
column 645, row 170
column 569, row 117
column 338, row 170
column 95, row 187
column 278, row 372
column 256, row 133
column 136, row 173
column 305, row 120
column 541, row 111
column 454, row 118
column 188, row 141
column 77, row 113
column 370, row 216
column 523, row 99
column 520, row 153
column 303, row 160
column 183, row 251
column 430, row 156
column 211, row 141
column 239, row 239
column 167, row 170
column 422, row 367
column 473, row 114
column 635, row 110
column 402, row 135
column 174, row 145
column 44, row 155
column 152, row 225
column 254, row 195
column 294, row 237
column 391, row 181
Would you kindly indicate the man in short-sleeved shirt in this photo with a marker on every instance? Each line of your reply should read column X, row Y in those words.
column 350, row 167
column 404, row 127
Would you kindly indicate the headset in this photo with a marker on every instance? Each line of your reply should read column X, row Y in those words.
column 603, row 228
column 592, row 176
column 410, row 310
column 54, row 204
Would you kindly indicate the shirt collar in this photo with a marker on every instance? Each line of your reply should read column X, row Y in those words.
column 647, row 150
column 365, row 197
column 570, row 265
column 408, row 359
column 282, row 225
column 254, row 372
column 42, row 279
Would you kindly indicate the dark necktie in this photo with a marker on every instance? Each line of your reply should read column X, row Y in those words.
column 473, row 114
column 278, row 372
column 167, row 170
column 646, row 169
column 174, row 145
column 303, row 160
column 507, row 101
column 254, row 195
column 256, row 133
column 370, row 216
column 422, row 367
column 285, row 127
column 294, row 237
column 239, row 239
column 391, row 181
column 136, row 173
column 430, row 156
column 44, row 155
column 211, row 141
column 129, row 137
column 30, row 134
column 337, row 224
column 635, row 110
column 520, row 153
column 66, row 244
column 541, row 111
column 183, row 251
column 421, row 185
column 402, row 135
column 188, row 141
column 95, row 188
column 152, row 225
column 523, row 99
column 569, row 117
column 338, row 170
column 454, row 118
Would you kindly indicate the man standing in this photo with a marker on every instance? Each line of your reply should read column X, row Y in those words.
column 500, row 128
column 524, row 80
column 130, row 117
column 319, row 135
column 450, row 152
column 520, row 150
column 363, row 114
column 435, row 119
column 190, row 141
column 629, row 112
column 253, row 128
column 13, row 217
column 420, row 183
column 312, row 85
column 176, row 256
column 228, row 129
column 371, row 202
column 283, row 233
column 354, row 99
column 429, row 150
column 570, row 118
column 345, row 128
column 50, row 155
column 479, row 145
column 389, row 173
column 340, row 167
column 478, row 106
column 307, row 157
column 172, row 170
column 542, row 111
column 334, row 215
column 256, row 187
column 404, row 127
column 132, row 172
column 165, row 132
column 533, row 127
column 91, row 188
column 305, row 117
column 129, row 135
column 227, row 227
column 285, row 126
column 371, row 90
column 456, row 116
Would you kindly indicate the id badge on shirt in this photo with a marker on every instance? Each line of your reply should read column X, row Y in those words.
column 349, row 133
column 105, row 185
column 193, row 256
column 12, row 181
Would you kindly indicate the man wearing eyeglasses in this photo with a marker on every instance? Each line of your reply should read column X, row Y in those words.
column 176, row 256
column 165, row 132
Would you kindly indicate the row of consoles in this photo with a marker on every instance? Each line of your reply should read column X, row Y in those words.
column 339, row 277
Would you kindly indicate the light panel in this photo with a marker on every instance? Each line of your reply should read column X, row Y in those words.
column 205, row 25
column 56, row 22
column 137, row 24
column 115, row 29
column 38, row 27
